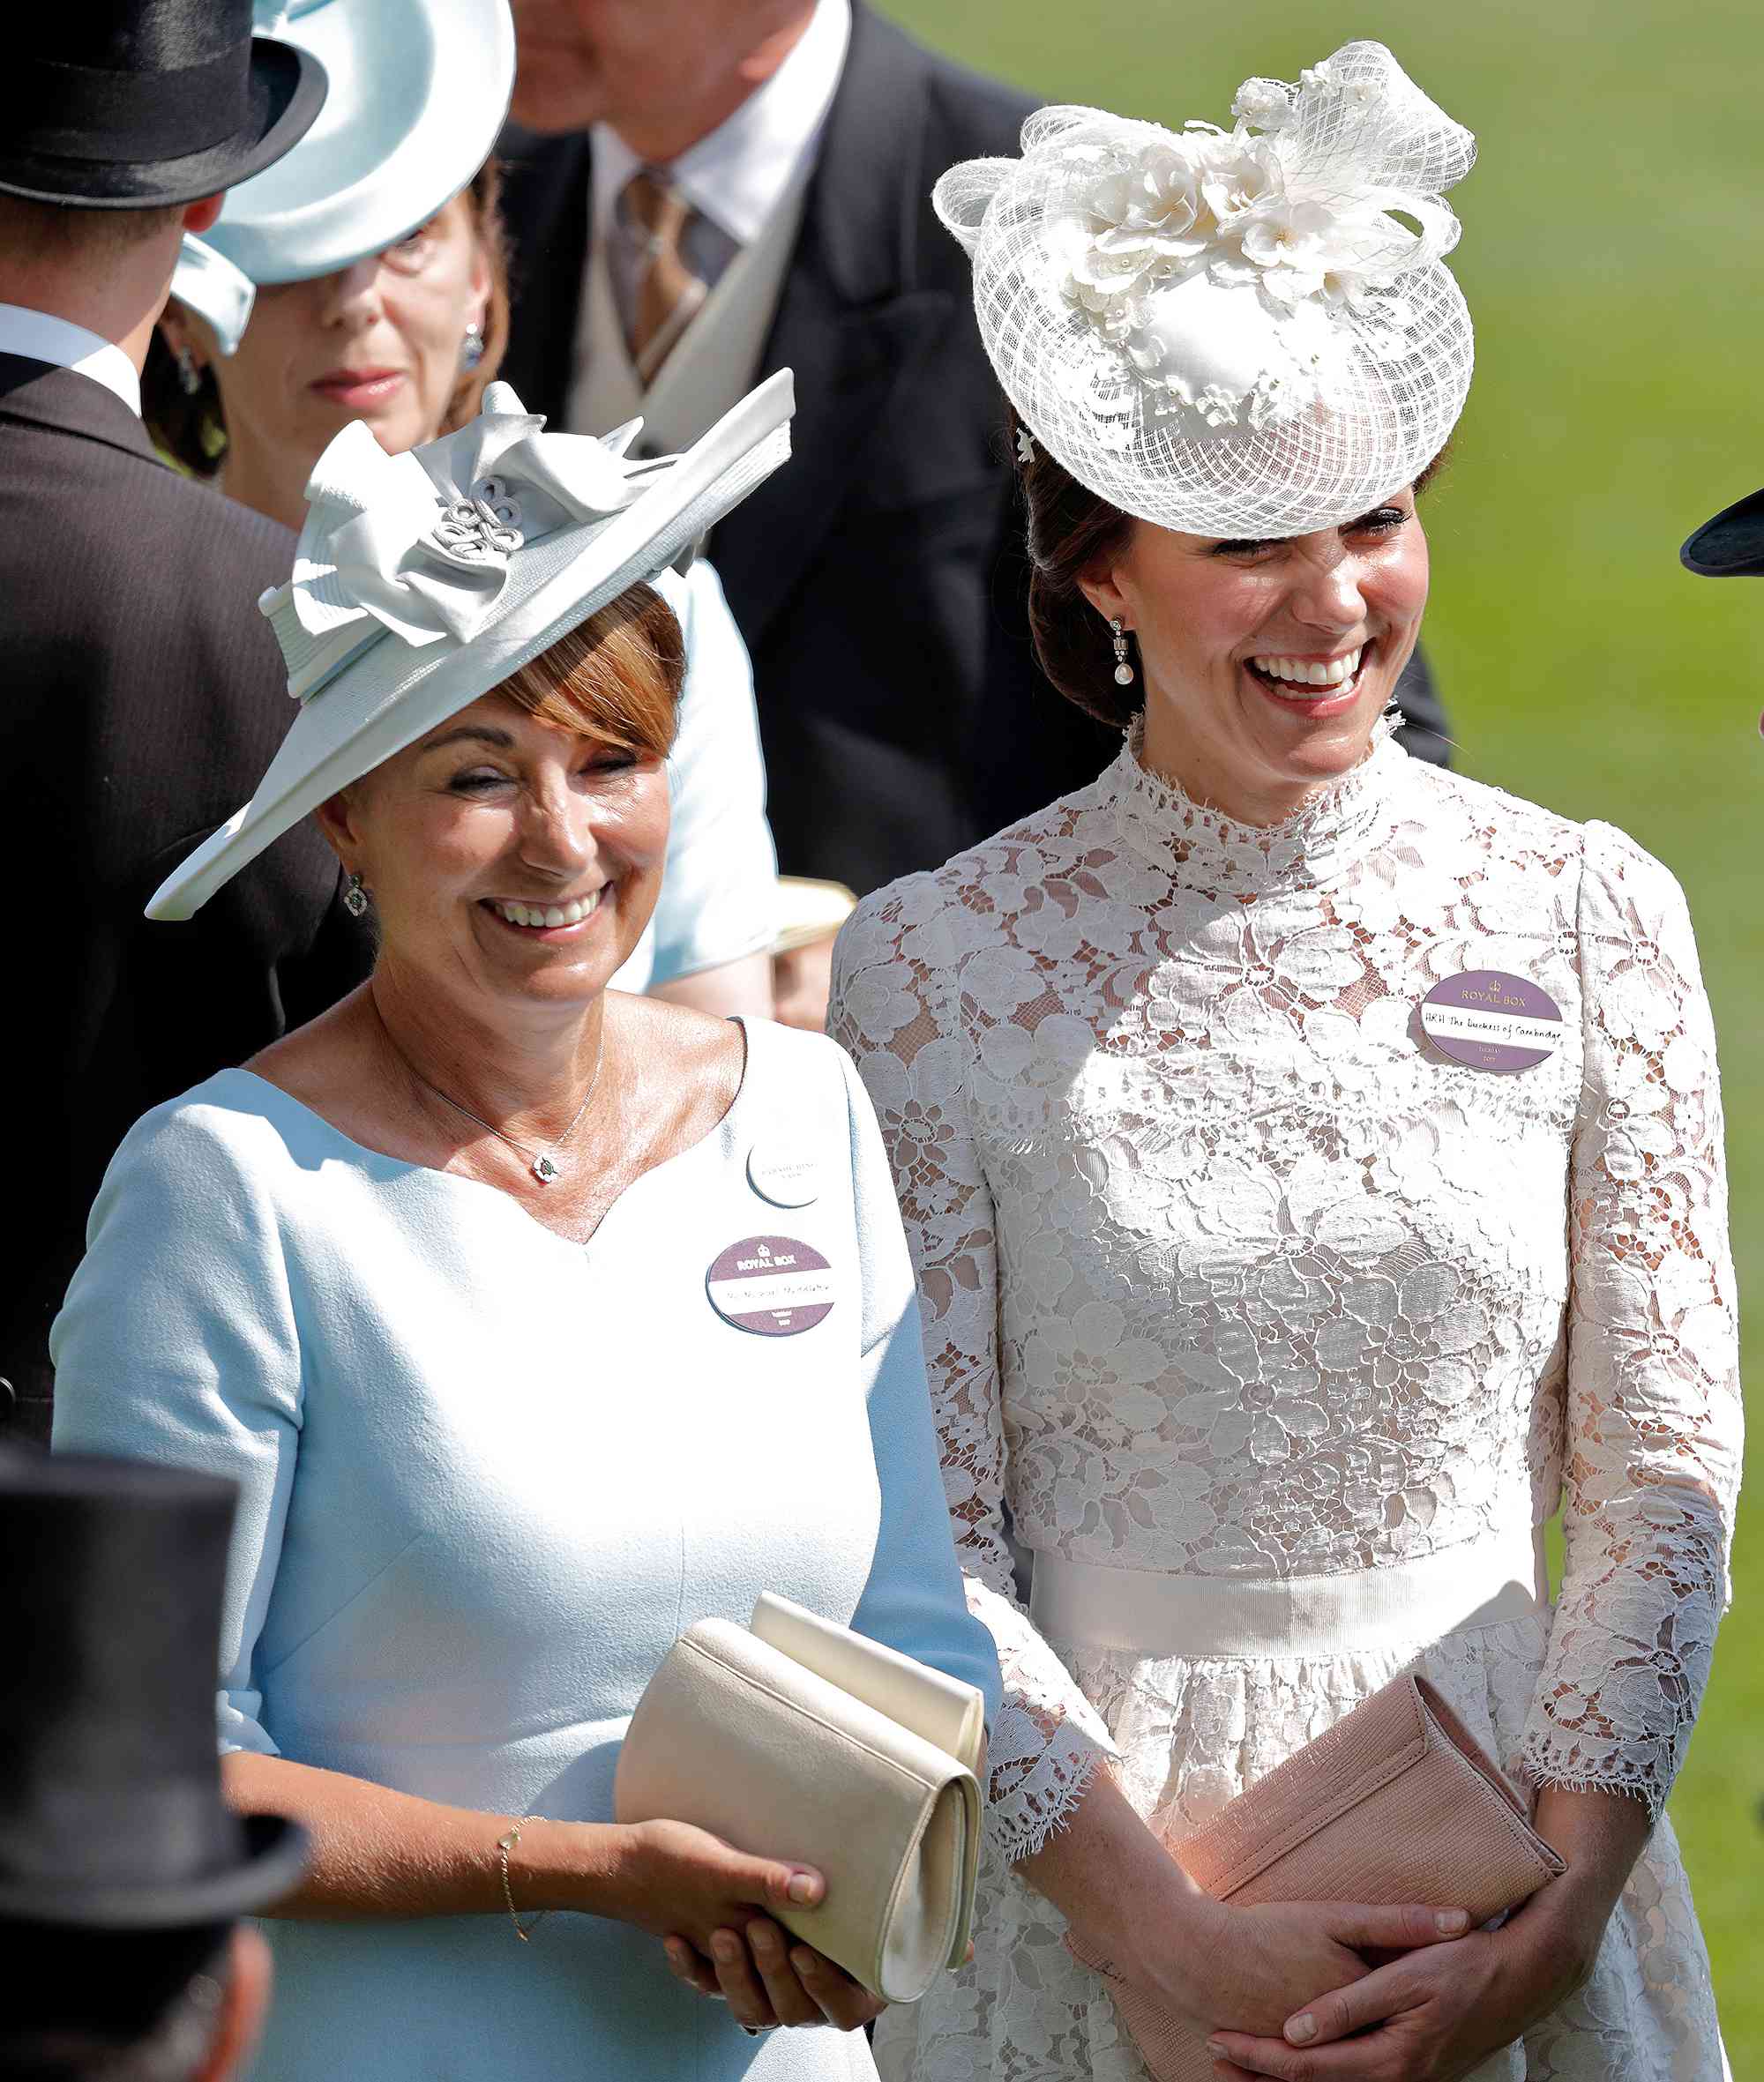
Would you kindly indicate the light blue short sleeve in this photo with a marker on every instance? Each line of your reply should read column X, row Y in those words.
column 177, row 1345
column 718, row 892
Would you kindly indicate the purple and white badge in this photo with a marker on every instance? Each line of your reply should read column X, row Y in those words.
column 1492, row 1020
column 776, row 1287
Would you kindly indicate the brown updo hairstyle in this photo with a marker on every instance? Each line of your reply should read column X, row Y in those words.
column 1071, row 529
column 191, row 428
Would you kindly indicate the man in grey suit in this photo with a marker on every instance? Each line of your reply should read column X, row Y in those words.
column 706, row 191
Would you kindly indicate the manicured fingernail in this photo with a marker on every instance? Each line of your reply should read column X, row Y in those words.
column 1301, row 2029
column 726, row 1947
column 1215, row 2049
column 806, row 1962
column 804, row 1886
column 1449, row 1922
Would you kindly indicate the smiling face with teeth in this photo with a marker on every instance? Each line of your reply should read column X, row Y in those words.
column 1267, row 664
column 508, row 857
column 514, row 854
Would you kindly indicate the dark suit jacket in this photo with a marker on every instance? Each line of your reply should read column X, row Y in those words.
column 144, row 696
column 879, row 579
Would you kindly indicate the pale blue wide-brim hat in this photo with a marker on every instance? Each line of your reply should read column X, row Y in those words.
column 423, row 580
column 418, row 92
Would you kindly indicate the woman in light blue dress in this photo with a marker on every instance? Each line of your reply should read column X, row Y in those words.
column 534, row 1321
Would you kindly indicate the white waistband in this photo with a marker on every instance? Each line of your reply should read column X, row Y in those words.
column 1478, row 1583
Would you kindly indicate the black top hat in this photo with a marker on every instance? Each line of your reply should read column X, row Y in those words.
column 1730, row 546
column 110, row 1807
column 133, row 104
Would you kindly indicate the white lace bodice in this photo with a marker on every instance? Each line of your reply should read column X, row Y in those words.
column 1226, row 1269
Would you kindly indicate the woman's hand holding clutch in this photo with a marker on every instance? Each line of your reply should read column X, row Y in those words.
column 708, row 1902
column 674, row 1880
column 1249, row 1964
column 1128, row 1900
column 769, row 1978
column 1436, row 2015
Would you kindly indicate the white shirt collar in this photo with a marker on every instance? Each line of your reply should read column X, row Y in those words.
column 41, row 337
column 738, row 175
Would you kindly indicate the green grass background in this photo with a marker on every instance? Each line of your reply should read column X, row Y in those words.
column 1613, row 259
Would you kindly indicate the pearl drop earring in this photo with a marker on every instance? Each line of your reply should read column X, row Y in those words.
column 1123, row 672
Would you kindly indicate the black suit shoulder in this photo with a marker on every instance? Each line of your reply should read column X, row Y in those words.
column 210, row 556
column 147, row 692
column 145, row 696
column 986, row 114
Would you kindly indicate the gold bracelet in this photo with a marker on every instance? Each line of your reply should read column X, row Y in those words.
column 504, row 1845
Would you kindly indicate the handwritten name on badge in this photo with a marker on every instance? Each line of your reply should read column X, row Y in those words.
column 776, row 1287
column 1492, row 1020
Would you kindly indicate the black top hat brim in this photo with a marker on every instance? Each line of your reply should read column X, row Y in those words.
column 285, row 92
column 275, row 1854
column 1730, row 546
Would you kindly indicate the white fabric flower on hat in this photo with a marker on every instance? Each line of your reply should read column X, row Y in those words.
column 1245, row 332
column 1249, row 212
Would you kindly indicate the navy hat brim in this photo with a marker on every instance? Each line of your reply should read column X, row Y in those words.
column 1730, row 546
column 276, row 1855
column 285, row 90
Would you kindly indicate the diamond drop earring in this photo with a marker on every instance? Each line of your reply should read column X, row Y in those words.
column 356, row 898
column 472, row 346
column 188, row 376
column 1123, row 672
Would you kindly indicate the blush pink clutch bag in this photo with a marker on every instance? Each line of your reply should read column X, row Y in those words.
column 1395, row 1804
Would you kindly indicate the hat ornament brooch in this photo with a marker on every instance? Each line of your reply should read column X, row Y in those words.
column 1244, row 331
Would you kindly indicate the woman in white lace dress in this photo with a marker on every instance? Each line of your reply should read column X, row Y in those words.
column 1277, row 1328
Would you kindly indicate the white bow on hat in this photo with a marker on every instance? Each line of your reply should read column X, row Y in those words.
column 418, row 545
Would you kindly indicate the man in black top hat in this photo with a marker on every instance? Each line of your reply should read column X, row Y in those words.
column 121, row 1872
column 144, row 691
column 1730, row 546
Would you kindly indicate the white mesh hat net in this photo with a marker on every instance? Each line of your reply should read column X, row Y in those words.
column 1230, row 333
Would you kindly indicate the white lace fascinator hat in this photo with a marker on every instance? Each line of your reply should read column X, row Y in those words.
column 423, row 580
column 1245, row 332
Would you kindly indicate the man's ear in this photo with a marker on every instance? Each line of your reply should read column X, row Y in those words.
column 245, row 2003
column 200, row 217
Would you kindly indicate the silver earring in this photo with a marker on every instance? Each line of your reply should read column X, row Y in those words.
column 472, row 348
column 1123, row 672
column 356, row 898
column 188, row 376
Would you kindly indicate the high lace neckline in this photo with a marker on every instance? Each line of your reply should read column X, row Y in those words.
column 1205, row 849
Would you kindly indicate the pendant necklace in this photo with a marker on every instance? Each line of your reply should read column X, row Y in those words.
column 542, row 1163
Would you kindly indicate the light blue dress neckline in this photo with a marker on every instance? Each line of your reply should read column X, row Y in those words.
column 715, row 1138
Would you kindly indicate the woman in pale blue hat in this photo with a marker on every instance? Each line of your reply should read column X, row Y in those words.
column 363, row 277
column 431, row 1281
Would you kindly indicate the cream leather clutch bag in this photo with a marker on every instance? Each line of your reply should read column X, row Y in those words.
column 796, row 1738
column 1396, row 1802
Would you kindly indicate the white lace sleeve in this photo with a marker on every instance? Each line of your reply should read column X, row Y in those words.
column 1651, row 1458
column 895, row 1007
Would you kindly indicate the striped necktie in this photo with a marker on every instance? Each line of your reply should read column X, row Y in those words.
column 655, row 215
